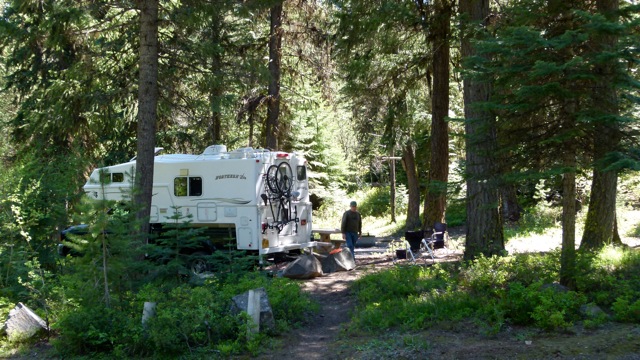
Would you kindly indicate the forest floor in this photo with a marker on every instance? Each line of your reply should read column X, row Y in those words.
column 325, row 335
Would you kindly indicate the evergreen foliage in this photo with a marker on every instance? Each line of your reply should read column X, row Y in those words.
column 539, row 65
column 355, row 85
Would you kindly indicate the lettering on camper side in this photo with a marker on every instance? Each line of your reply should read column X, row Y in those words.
column 231, row 176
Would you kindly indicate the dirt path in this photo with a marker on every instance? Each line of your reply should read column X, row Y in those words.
column 313, row 341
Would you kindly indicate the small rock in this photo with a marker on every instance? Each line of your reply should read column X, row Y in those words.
column 241, row 303
column 592, row 311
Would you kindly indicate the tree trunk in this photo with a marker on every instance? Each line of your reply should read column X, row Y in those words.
column 436, row 198
column 392, row 170
column 600, row 222
column 147, row 110
column 273, row 106
column 568, row 252
column 215, row 127
column 511, row 209
column 413, row 188
column 251, row 130
column 484, row 224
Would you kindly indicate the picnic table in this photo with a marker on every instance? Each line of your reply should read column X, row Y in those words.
column 325, row 236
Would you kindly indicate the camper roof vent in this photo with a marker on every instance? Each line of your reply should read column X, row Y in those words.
column 214, row 150
column 243, row 153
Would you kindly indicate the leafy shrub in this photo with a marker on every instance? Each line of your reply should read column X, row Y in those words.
column 387, row 285
column 609, row 274
column 410, row 297
column 548, row 308
column 490, row 292
column 530, row 268
column 189, row 318
column 377, row 201
column 199, row 317
column 626, row 310
column 96, row 329
column 485, row 275
column 289, row 304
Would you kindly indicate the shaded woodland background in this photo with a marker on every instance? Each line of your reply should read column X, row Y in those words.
column 488, row 106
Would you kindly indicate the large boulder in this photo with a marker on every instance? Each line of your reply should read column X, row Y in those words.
column 338, row 260
column 304, row 267
column 23, row 323
column 241, row 303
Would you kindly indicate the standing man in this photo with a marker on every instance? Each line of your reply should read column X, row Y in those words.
column 351, row 227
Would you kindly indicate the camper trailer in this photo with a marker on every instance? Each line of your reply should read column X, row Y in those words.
column 259, row 197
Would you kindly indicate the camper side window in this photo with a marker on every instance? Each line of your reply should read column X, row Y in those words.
column 302, row 172
column 187, row 186
column 117, row 177
column 107, row 178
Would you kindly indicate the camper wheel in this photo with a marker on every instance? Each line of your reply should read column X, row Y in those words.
column 198, row 263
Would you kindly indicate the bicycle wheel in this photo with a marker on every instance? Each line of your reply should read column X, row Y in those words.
column 272, row 173
column 284, row 178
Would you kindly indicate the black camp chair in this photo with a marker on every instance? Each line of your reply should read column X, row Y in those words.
column 440, row 235
column 417, row 245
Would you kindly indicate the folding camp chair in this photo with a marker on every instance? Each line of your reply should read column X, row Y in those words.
column 440, row 236
column 415, row 246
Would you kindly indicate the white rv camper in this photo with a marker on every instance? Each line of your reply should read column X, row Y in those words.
column 258, row 196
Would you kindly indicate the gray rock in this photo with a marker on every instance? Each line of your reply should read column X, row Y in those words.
column 592, row 311
column 304, row 267
column 23, row 323
column 339, row 261
column 240, row 303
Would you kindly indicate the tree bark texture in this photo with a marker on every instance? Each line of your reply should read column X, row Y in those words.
column 147, row 110
column 273, row 108
column 484, row 223
column 436, row 198
column 413, row 188
column 392, row 170
column 568, row 252
column 511, row 209
column 600, row 227
column 214, row 127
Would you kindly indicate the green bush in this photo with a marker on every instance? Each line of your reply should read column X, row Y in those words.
column 377, row 201
column 609, row 274
column 530, row 268
column 289, row 303
column 485, row 276
column 626, row 310
column 189, row 318
column 410, row 297
column 548, row 308
column 556, row 310
column 96, row 329
column 489, row 292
